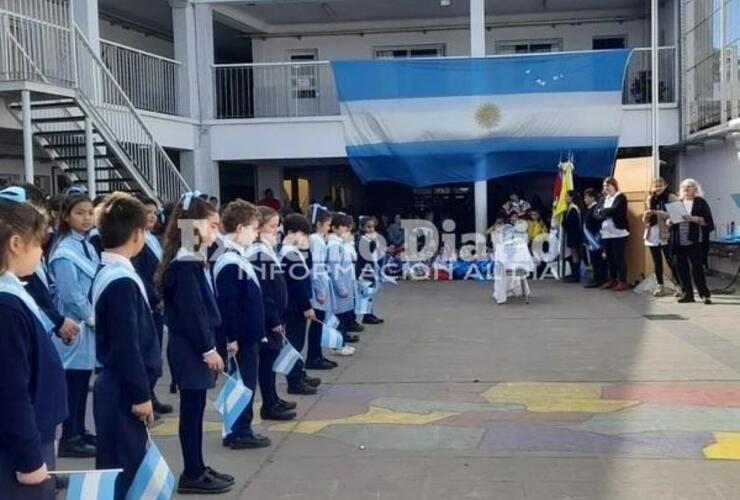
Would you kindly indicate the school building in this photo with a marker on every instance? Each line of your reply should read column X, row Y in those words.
column 232, row 97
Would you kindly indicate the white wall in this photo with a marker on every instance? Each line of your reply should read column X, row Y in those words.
column 136, row 39
column 716, row 165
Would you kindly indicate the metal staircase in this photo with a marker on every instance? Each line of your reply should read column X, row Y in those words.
column 79, row 114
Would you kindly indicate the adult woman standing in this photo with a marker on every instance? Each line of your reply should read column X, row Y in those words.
column 573, row 231
column 614, row 233
column 657, row 232
column 687, row 239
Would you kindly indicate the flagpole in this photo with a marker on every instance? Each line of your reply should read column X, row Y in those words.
column 655, row 90
column 63, row 472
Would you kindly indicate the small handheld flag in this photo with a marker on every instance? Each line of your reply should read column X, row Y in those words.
column 232, row 401
column 363, row 305
column 92, row 485
column 332, row 321
column 384, row 278
column 331, row 338
column 154, row 479
column 286, row 360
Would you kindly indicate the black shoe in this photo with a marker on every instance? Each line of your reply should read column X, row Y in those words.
column 350, row 339
column 76, row 447
column 320, row 364
column 312, row 381
column 90, row 438
column 162, row 408
column 686, row 299
column 371, row 319
column 249, row 442
column 202, row 485
column 355, row 327
column 277, row 413
column 227, row 478
column 302, row 388
column 707, row 300
column 287, row 405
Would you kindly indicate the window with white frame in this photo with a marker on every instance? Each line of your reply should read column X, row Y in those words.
column 304, row 77
column 410, row 51
column 528, row 46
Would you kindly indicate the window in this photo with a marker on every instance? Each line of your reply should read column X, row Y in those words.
column 304, row 77
column 401, row 52
column 610, row 42
column 529, row 46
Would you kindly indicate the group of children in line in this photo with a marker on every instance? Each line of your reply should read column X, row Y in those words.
column 96, row 299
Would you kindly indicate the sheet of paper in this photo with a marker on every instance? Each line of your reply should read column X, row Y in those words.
column 676, row 211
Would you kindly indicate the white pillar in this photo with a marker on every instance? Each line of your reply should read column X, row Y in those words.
column 198, row 168
column 90, row 159
column 478, row 49
column 655, row 104
column 27, row 136
column 86, row 17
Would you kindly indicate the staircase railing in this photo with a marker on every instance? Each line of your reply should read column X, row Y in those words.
column 120, row 119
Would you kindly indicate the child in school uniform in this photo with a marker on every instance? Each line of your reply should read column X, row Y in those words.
column 321, row 288
column 239, row 300
column 341, row 268
column 300, row 314
column 146, row 264
column 275, row 299
column 73, row 264
column 368, row 262
column 191, row 315
column 126, row 342
column 32, row 389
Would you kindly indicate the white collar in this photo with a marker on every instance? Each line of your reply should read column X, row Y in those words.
column 13, row 278
column 107, row 258
column 77, row 235
column 230, row 244
column 186, row 255
column 333, row 237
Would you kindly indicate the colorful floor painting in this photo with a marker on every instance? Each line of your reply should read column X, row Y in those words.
column 666, row 420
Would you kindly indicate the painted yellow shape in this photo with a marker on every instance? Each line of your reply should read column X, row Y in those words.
column 556, row 397
column 169, row 426
column 727, row 446
column 374, row 415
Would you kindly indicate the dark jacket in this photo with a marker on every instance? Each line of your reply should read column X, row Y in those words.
column 274, row 294
column 573, row 228
column 699, row 209
column 617, row 212
column 37, row 289
column 297, row 274
column 240, row 304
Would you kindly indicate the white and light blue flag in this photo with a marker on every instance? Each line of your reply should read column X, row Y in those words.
column 437, row 121
column 232, row 401
column 92, row 485
column 363, row 305
column 286, row 360
column 331, row 338
column 154, row 479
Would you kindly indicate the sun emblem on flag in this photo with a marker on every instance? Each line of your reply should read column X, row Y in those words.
column 488, row 116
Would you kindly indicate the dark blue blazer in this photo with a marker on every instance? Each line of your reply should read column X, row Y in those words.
column 146, row 264
column 126, row 340
column 298, row 283
column 33, row 393
column 274, row 289
column 192, row 316
column 42, row 295
column 240, row 304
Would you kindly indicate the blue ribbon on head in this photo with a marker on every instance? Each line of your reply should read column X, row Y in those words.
column 187, row 199
column 76, row 191
column 15, row 194
column 315, row 211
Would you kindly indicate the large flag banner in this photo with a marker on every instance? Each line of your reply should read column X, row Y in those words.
column 437, row 121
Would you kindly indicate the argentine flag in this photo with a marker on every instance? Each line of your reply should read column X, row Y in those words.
column 363, row 305
column 232, row 401
column 92, row 485
column 423, row 122
column 331, row 338
column 154, row 479
column 286, row 360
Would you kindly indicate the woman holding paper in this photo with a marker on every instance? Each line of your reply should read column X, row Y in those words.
column 657, row 232
column 687, row 239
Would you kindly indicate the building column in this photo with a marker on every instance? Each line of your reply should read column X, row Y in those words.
column 27, row 136
column 478, row 49
column 198, row 168
column 655, row 101
column 86, row 16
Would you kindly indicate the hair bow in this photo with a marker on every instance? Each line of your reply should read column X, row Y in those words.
column 75, row 191
column 187, row 199
column 14, row 193
column 316, row 209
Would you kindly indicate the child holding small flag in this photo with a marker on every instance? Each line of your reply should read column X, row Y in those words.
column 32, row 388
column 191, row 315
column 299, row 314
column 239, row 300
column 126, row 341
column 369, row 249
column 275, row 298
column 341, row 269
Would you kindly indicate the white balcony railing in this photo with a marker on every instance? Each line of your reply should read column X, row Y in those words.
column 289, row 90
column 152, row 82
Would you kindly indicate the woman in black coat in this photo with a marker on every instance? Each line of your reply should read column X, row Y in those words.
column 614, row 233
column 573, row 234
column 688, row 239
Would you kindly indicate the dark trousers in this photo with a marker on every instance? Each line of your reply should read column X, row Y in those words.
column 122, row 438
column 657, row 254
column 11, row 489
column 248, row 360
column 268, row 389
column 159, row 327
column 192, row 409
column 314, row 337
column 295, row 332
column 78, row 385
column 616, row 258
column 690, row 263
column 345, row 320
column 599, row 266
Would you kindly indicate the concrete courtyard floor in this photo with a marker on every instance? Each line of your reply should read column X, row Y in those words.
column 580, row 395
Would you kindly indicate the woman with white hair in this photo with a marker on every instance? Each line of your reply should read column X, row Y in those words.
column 687, row 239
